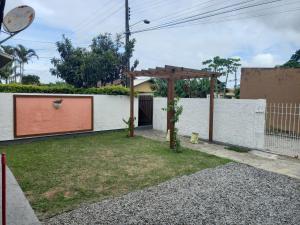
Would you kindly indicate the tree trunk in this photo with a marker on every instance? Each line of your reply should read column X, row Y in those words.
column 235, row 80
column 224, row 91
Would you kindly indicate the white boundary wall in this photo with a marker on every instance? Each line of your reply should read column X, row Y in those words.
column 109, row 111
column 236, row 122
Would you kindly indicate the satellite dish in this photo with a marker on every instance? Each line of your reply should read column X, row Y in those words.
column 18, row 19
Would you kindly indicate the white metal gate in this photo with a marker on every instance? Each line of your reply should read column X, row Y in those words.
column 282, row 129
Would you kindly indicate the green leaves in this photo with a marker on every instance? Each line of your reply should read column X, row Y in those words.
column 225, row 67
column 294, row 62
column 177, row 109
column 31, row 79
column 24, row 54
column 63, row 89
column 104, row 63
column 6, row 71
column 193, row 88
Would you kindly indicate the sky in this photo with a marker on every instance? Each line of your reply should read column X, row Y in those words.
column 262, row 36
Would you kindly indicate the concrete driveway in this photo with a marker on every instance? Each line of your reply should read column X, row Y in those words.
column 270, row 162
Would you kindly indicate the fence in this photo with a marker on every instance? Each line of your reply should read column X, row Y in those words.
column 236, row 122
column 282, row 130
column 107, row 113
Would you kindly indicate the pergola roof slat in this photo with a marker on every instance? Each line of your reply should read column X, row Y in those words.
column 177, row 73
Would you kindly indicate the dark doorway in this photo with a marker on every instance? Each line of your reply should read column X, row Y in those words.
column 145, row 110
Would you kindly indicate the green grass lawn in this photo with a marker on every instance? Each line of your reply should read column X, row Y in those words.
column 59, row 174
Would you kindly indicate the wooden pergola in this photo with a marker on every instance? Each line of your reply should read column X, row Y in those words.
column 171, row 74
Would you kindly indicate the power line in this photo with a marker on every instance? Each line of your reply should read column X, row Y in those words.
column 93, row 15
column 186, row 10
column 102, row 20
column 264, row 9
column 215, row 10
column 184, row 20
column 37, row 41
column 154, row 6
column 272, row 13
column 230, row 20
column 204, row 13
column 143, row 5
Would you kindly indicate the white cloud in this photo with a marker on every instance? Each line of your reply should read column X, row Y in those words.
column 259, row 41
column 263, row 60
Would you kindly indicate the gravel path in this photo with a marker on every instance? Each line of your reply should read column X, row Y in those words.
column 230, row 194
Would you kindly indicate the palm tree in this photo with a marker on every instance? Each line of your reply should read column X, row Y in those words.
column 24, row 55
column 6, row 72
column 216, row 65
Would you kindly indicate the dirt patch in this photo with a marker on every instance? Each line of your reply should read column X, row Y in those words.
column 143, row 166
column 52, row 193
column 69, row 194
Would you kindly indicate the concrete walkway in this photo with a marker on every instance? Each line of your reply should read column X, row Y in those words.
column 19, row 211
column 270, row 162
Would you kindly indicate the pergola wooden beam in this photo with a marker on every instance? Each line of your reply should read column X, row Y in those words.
column 171, row 74
column 178, row 73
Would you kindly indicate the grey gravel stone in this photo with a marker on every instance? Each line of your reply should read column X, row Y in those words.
column 230, row 194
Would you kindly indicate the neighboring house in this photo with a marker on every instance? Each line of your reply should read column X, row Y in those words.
column 230, row 93
column 277, row 85
column 143, row 86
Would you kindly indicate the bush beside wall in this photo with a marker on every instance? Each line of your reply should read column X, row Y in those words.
column 19, row 88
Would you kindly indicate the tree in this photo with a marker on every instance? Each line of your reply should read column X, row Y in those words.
column 294, row 61
column 8, row 49
column 24, row 55
column 6, row 71
column 236, row 65
column 189, row 88
column 104, row 63
column 225, row 67
column 215, row 65
column 70, row 65
column 237, row 92
column 31, row 79
column 231, row 65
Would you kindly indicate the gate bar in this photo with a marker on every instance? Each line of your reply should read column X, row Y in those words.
column 3, row 164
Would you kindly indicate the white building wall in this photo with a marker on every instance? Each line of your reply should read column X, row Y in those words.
column 109, row 112
column 236, row 122
column 6, row 117
column 159, row 116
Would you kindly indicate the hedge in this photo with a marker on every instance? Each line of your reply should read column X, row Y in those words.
column 19, row 88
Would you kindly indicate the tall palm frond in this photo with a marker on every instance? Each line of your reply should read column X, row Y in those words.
column 24, row 55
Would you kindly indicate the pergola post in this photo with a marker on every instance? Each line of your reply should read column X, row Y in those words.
column 168, row 103
column 171, row 74
column 131, row 106
column 171, row 116
column 211, row 108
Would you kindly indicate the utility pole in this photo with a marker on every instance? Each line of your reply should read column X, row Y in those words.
column 127, row 35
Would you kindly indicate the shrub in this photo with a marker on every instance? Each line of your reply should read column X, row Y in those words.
column 237, row 149
column 53, row 89
column 30, row 79
column 173, row 106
